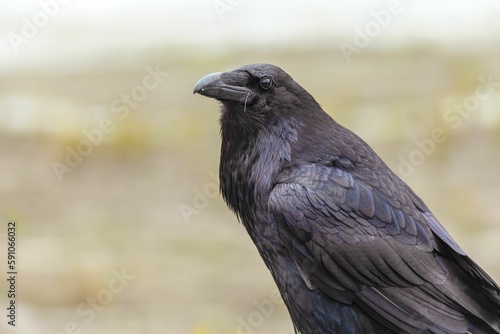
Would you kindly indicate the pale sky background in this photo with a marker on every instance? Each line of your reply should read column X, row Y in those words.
column 94, row 28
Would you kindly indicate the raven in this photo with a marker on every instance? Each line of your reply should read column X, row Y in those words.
column 350, row 246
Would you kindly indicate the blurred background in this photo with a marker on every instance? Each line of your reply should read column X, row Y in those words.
column 108, row 161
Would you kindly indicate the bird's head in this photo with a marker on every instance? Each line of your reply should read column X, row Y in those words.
column 256, row 96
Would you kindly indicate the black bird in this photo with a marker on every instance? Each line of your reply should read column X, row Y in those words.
column 351, row 247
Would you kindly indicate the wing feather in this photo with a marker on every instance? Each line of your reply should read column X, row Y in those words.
column 357, row 244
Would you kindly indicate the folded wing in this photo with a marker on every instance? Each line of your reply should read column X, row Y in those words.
column 383, row 251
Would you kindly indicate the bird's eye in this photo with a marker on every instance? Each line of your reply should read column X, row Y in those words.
column 266, row 83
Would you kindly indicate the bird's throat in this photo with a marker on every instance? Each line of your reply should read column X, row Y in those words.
column 249, row 166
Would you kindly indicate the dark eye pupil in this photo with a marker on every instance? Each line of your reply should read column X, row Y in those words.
column 266, row 83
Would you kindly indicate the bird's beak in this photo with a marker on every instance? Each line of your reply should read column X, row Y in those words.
column 222, row 86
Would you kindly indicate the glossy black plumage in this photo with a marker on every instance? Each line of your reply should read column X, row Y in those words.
column 350, row 246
